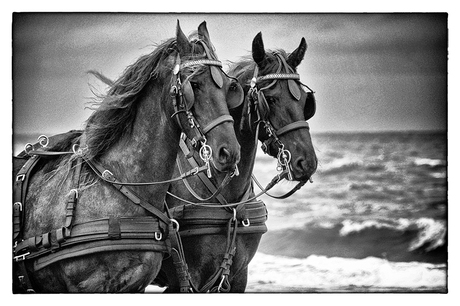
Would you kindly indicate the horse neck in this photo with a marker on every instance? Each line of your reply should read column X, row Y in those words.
column 148, row 153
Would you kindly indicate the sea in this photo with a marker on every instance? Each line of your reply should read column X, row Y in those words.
column 373, row 220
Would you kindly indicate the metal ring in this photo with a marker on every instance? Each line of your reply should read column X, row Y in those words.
column 28, row 147
column 246, row 222
column 282, row 159
column 176, row 223
column 42, row 138
column 78, row 151
column 173, row 92
column 206, row 157
column 158, row 236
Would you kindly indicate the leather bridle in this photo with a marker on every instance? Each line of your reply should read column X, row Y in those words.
column 262, row 110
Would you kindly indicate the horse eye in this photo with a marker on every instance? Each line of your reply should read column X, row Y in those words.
column 195, row 85
column 271, row 100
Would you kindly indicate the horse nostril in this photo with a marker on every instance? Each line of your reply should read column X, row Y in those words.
column 300, row 164
column 224, row 155
column 304, row 166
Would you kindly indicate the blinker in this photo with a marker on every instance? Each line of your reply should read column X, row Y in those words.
column 310, row 105
column 294, row 89
column 235, row 96
column 216, row 76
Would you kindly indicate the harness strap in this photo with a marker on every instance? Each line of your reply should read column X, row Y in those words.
column 19, row 195
column 224, row 268
column 292, row 126
column 216, row 122
column 22, row 281
column 94, row 236
column 299, row 185
column 73, row 196
column 206, row 181
column 180, row 265
column 198, row 220
column 127, row 191
column 178, row 255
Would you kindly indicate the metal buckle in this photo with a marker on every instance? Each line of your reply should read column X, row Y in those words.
column 246, row 222
column 21, row 257
column 75, row 191
column 19, row 204
column 20, row 177
column 108, row 175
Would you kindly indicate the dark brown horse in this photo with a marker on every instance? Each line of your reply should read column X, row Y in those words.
column 92, row 219
column 207, row 231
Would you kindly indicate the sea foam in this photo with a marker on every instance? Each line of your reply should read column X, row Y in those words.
column 269, row 273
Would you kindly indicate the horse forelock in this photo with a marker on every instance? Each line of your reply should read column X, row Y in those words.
column 243, row 69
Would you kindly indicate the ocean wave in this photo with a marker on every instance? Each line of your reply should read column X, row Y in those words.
column 402, row 240
column 351, row 226
column 351, row 164
column 431, row 233
column 429, row 162
column 269, row 273
column 431, row 236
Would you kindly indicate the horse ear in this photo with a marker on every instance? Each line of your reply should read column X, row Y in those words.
column 258, row 50
column 203, row 33
column 183, row 45
column 297, row 55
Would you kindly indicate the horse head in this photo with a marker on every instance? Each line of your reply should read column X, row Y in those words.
column 283, row 106
column 206, row 90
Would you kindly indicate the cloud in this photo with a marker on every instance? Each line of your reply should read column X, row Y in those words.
column 352, row 60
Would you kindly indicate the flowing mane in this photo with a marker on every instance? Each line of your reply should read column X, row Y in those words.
column 115, row 111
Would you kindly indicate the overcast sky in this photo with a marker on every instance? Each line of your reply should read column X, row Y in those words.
column 371, row 72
